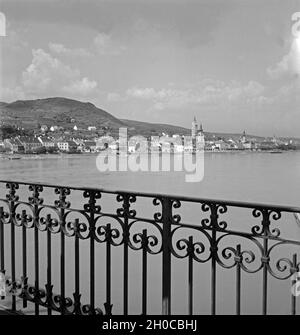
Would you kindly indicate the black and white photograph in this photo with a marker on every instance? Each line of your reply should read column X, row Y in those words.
column 149, row 160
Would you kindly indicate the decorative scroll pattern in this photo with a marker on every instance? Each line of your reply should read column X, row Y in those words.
column 205, row 241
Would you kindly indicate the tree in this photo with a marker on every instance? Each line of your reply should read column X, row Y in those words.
column 52, row 150
column 41, row 150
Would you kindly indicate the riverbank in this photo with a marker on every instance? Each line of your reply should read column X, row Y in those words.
column 87, row 154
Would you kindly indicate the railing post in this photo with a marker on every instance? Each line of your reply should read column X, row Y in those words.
column 108, row 305
column 265, row 259
column 126, row 207
column 92, row 250
column 12, row 199
column 294, row 271
column 214, row 251
column 2, row 270
column 92, row 209
column 166, row 254
column 62, row 204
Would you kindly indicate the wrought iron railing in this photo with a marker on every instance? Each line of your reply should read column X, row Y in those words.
column 152, row 229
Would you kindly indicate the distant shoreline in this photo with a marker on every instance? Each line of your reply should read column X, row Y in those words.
column 6, row 156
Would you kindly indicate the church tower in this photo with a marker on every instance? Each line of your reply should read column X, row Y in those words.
column 243, row 139
column 200, row 133
column 200, row 138
column 194, row 128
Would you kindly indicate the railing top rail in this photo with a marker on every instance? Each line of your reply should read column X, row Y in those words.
column 231, row 203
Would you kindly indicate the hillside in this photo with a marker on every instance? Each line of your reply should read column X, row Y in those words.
column 56, row 111
column 64, row 112
column 31, row 114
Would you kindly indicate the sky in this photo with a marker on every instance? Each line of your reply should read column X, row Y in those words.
column 234, row 64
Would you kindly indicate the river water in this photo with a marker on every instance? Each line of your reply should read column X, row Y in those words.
column 251, row 177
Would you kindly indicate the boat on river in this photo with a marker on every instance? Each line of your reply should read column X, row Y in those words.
column 275, row 152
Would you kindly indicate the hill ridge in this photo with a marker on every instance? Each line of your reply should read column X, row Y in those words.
column 67, row 112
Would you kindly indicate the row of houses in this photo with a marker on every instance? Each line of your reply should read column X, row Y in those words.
column 224, row 145
column 35, row 144
column 22, row 144
column 227, row 145
column 32, row 144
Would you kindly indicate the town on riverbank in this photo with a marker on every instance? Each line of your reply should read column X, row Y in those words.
column 62, row 125
column 55, row 140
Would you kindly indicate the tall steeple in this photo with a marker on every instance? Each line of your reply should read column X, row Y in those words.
column 200, row 138
column 201, row 128
column 244, row 137
column 194, row 128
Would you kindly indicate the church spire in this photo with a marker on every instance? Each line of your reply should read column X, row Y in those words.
column 194, row 127
column 244, row 137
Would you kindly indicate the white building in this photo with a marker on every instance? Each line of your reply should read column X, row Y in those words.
column 44, row 128
column 188, row 147
column 178, row 148
column 131, row 148
column 113, row 146
column 46, row 142
column 53, row 128
column 67, row 146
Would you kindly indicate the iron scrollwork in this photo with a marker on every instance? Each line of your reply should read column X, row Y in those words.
column 164, row 232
